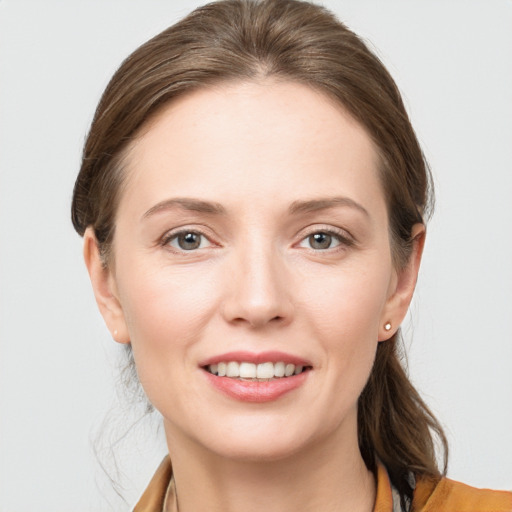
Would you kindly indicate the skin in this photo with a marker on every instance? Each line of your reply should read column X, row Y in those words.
column 256, row 283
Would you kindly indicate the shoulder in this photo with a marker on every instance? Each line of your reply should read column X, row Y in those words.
column 447, row 495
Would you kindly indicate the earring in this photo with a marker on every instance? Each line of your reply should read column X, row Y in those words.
column 115, row 333
column 387, row 326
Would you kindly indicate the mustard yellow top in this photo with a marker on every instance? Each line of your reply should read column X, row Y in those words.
column 444, row 495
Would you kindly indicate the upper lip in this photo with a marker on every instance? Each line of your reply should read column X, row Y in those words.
column 240, row 356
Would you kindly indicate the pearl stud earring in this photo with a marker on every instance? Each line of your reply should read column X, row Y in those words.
column 387, row 327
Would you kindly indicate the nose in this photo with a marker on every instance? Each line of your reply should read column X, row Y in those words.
column 258, row 292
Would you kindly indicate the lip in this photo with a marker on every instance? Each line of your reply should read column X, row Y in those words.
column 253, row 391
column 256, row 392
column 240, row 356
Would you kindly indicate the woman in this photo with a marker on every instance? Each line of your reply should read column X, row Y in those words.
column 253, row 201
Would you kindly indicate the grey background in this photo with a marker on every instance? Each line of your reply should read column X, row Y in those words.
column 453, row 62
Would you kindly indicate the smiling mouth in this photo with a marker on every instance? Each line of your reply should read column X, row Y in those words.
column 262, row 372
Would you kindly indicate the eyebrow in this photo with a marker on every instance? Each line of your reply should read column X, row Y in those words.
column 192, row 205
column 324, row 204
column 297, row 207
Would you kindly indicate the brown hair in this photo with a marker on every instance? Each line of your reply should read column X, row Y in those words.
column 298, row 41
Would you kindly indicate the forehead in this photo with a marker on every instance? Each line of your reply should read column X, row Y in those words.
column 250, row 141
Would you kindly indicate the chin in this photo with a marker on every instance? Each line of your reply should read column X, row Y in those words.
column 261, row 432
column 262, row 438
column 259, row 448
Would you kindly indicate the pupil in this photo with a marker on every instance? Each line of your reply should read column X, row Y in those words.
column 189, row 241
column 320, row 241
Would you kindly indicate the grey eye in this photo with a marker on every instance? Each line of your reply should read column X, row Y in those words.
column 188, row 241
column 320, row 240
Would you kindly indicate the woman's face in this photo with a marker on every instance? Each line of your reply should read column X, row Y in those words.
column 253, row 229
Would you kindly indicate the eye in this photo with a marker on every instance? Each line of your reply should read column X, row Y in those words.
column 187, row 241
column 323, row 240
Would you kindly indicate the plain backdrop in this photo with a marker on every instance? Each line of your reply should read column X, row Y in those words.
column 453, row 62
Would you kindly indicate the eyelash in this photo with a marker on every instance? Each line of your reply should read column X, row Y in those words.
column 344, row 240
column 169, row 237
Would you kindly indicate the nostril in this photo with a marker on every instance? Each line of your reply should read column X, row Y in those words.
column 256, row 307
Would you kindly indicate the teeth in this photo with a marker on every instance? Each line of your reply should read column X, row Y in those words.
column 263, row 371
column 279, row 370
column 247, row 370
column 233, row 369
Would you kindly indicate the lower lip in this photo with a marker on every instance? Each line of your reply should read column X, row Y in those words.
column 252, row 391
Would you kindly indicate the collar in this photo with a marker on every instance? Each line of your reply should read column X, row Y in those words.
column 160, row 494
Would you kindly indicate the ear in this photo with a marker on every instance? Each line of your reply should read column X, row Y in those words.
column 105, row 292
column 402, row 287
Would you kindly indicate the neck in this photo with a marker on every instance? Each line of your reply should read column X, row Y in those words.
column 330, row 476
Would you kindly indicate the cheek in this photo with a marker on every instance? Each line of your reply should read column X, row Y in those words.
column 349, row 302
column 165, row 312
column 346, row 314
